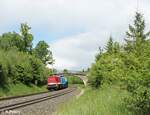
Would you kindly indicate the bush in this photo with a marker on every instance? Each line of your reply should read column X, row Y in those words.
column 129, row 64
column 18, row 63
column 18, row 66
column 107, row 69
column 139, row 101
column 3, row 74
column 132, row 70
column 74, row 80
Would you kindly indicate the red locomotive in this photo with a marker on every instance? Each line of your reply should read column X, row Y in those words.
column 57, row 82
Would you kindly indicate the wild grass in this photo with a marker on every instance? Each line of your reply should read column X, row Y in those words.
column 105, row 101
column 20, row 89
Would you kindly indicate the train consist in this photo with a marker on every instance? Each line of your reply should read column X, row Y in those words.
column 56, row 82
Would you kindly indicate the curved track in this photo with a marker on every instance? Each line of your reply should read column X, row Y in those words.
column 33, row 101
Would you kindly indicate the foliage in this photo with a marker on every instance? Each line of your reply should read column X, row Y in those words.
column 42, row 52
column 136, row 34
column 11, row 40
column 129, row 64
column 18, row 63
column 20, row 89
column 74, row 80
column 27, row 37
column 65, row 71
column 109, row 46
column 104, row 101
column 21, row 67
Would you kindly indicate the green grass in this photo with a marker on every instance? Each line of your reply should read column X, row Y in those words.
column 20, row 89
column 104, row 101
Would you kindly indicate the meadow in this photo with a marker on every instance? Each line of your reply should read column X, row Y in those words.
column 107, row 100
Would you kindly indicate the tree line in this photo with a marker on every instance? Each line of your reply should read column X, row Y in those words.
column 128, row 64
column 20, row 62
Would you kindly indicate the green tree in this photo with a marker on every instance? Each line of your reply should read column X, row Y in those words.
column 137, row 71
column 98, row 56
column 3, row 73
column 136, row 35
column 109, row 46
column 65, row 71
column 27, row 37
column 128, row 65
column 42, row 52
column 116, row 47
column 18, row 64
column 11, row 40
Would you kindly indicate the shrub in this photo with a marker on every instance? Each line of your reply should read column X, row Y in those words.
column 18, row 66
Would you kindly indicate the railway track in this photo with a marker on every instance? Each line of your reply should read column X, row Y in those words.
column 20, row 96
column 33, row 101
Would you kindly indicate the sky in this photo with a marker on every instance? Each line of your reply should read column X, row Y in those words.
column 74, row 29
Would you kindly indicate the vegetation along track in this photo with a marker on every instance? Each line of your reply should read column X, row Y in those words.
column 33, row 101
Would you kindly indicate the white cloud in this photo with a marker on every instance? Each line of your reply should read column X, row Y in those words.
column 77, row 52
column 60, row 14
column 97, row 18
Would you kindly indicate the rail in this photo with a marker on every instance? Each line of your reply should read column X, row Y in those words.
column 33, row 101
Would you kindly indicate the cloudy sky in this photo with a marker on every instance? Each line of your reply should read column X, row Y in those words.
column 74, row 29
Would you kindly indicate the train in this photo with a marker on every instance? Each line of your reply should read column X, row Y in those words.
column 56, row 82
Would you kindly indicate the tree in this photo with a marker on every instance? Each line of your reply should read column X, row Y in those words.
column 27, row 37
column 109, row 46
column 11, row 39
column 3, row 74
column 17, row 62
column 88, row 69
column 116, row 47
column 65, row 71
column 136, row 35
column 42, row 52
column 129, row 66
column 99, row 54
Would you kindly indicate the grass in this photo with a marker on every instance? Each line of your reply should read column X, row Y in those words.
column 104, row 101
column 20, row 89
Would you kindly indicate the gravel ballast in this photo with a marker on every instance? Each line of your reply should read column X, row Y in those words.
column 47, row 107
